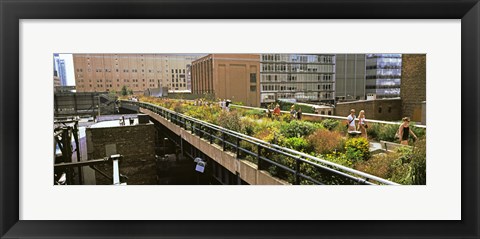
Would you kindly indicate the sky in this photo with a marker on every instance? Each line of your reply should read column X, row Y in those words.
column 69, row 68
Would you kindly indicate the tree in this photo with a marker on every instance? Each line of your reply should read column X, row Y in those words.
column 130, row 92
column 124, row 91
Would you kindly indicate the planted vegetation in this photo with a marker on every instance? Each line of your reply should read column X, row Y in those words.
column 326, row 139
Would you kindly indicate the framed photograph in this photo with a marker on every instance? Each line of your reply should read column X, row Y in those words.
column 170, row 99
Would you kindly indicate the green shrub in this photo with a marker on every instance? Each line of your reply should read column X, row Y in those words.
column 325, row 141
column 254, row 112
column 419, row 163
column 372, row 130
column 419, row 132
column 270, row 133
column 329, row 124
column 410, row 167
column 387, row 132
column 339, row 158
column 379, row 165
column 178, row 107
column 357, row 149
column 298, row 143
column 285, row 118
column 297, row 128
column 229, row 120
column 247, row 126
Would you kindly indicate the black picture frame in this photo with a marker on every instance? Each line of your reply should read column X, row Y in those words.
column 12, row 11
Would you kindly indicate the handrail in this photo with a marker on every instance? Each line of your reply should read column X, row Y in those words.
column 267, row 144
column 334, row 117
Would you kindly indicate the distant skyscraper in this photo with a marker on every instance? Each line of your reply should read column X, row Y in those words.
column 62, row 73
column 350, row 77
column 384, row 73
column 55, row 68
column 59, row 69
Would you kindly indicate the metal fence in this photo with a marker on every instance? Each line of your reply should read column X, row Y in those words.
column 284, row 163
column 343, row 118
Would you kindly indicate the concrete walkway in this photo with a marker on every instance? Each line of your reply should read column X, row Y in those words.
column 375, row 147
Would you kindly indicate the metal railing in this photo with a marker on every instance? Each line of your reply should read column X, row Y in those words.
column 284, row 163
column 333, row 116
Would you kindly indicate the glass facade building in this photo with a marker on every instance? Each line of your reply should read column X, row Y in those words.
column 383, row 75
column 59, row 69
column 300, row 77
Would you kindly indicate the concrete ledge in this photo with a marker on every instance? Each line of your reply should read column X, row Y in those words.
column 247, row 171
column 264, row 178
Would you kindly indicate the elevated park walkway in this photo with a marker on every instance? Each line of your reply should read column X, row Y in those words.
column 253, row 160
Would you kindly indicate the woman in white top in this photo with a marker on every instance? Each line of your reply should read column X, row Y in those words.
column 362, row 124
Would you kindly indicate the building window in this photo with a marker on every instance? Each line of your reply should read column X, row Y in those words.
column 253, row 77
column 379, row 109
column 253, row 88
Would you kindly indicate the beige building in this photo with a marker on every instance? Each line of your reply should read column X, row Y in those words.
column 228, row 76
column 110, row 72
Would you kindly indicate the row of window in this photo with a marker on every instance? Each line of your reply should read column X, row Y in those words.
column 390, row 92
column 298, row 58
column 379, row 77
column 374, row 67
column 118, row 80
column 127, row 70
column 179, row 71
column 265, row 67
column 397, row 72
column 112, row 85
column 297, row 87
column 301, row 96
column 382, row 87
column 296, row 77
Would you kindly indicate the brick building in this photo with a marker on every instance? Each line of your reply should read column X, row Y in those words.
column 228, row 76
column 138, row 72
column 135, row 142
column 414, row 85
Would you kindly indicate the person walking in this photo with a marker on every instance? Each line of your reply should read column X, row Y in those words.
column 227, row 105
column 299, row 113
column 276, row 111
column 269, row 112
column 404, row 131
column 351, row 121
column 293, row 112
column 362, row 124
